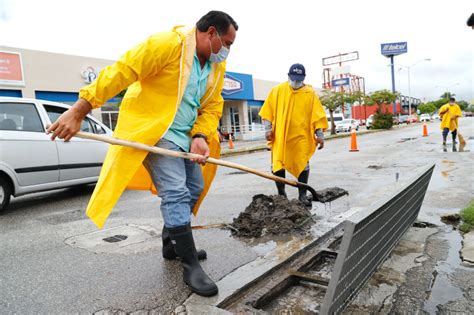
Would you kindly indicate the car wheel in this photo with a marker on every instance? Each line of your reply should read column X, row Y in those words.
column 5, row 194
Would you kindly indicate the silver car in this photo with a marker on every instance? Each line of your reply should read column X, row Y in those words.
column 31, row 162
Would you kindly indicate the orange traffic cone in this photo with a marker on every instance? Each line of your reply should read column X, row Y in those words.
column 231, row 143
column 425, row 130
column 353, row 141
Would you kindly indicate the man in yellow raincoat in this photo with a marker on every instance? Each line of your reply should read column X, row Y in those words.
column 295, row 120
column 449, row 114
column 173, row 101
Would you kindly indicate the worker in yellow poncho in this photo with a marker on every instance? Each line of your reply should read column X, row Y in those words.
column 173, row 101
column 449, row 114
column 294, row 120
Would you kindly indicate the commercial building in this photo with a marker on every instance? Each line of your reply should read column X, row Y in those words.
column 59, row 77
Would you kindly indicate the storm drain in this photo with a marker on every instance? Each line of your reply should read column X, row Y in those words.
column 325, row 276
column 115, row 238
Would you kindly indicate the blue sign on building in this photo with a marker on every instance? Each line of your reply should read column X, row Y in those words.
column 393, row 49
column 340, row 82
column 237, row 86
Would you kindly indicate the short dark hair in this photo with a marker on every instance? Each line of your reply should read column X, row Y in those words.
column 220, row 20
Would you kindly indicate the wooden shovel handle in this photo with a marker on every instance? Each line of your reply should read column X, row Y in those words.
column 186, row 155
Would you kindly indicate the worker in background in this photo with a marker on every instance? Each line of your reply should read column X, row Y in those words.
column 449, row 114
column 294, row 121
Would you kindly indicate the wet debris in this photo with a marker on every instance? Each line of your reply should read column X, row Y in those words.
column 452, row 218
column 423, row 225
column 375, row 167
column 330, row 194
column 271, row 215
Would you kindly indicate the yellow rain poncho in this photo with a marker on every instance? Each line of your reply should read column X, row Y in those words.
column 156, row 73
column 450, row 111
column 295, row 115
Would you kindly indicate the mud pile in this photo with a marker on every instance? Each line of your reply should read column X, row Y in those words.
column 271, row 215
column 330, row 194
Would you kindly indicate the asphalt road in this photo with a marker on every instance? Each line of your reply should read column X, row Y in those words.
column 54, row 260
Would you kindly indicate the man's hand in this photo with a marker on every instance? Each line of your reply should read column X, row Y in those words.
column 320, row 143
column 269, row 135
column 199, row 146
column 69, row 123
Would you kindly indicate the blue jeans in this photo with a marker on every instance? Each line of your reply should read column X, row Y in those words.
column 179, row 183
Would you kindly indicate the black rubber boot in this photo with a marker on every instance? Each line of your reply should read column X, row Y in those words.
column 193, row 275
column 303, row 178
column 280, row 186
column 168, row 249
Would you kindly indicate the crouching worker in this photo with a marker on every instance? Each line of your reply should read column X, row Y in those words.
column 294, row 120
column 174, row 81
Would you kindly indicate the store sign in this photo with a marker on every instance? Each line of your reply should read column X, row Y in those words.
column 393, row 49
column 232, row 85
column 340, row 82
column 89, row 75
column 11, row 69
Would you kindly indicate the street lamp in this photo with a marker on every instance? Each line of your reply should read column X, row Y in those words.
column 409, row 86
column 446, row 88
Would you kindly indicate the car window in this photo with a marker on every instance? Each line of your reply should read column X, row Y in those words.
column 20, row 117
column 98, row 128
column 55, row 111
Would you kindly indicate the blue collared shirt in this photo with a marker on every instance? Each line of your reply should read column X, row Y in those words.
column 185, row 118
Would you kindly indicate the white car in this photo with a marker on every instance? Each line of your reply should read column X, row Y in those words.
column 369, row 122
column 30, row 162
column 435, row 117
column 347, row 125
column 425, row 117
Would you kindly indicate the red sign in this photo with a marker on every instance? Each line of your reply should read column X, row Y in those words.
column 11, row 71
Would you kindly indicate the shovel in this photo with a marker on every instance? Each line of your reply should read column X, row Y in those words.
column 186, row 155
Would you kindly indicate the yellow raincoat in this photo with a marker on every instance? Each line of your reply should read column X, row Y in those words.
column 447, row 112
column 450, row 111
column 156, row 73
column 295, row 115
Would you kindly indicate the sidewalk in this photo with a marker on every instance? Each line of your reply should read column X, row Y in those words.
column 249, row 146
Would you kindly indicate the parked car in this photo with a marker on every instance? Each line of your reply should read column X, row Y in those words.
column 369, row 122
column 347, row 125
column 403, row 119
column 425, row 118
column 395, row 120
column 30, row 162
column 412, row 119
column 435, row 117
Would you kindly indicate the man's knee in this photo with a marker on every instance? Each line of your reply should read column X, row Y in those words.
column 196, row 188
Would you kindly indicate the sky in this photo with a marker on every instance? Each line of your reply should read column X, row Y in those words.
column 272, row 35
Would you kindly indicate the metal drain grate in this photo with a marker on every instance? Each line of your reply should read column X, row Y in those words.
column 115, row 238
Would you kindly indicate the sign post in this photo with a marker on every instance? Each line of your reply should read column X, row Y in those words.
column 391, row 50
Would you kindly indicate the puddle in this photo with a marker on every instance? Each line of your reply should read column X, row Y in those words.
column 442, row 288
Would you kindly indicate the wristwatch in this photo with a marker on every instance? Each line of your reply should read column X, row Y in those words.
column 200, row 135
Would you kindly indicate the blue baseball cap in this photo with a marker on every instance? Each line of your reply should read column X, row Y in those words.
column 297, row 72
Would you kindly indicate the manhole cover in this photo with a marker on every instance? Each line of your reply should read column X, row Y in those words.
column 115, row 238
column 123, row 239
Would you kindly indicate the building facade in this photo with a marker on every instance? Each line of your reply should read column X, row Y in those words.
column 59, row 77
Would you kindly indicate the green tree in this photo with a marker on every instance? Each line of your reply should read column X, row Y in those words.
column 382, row 118
column 447, row 95
column 427, row 108
column 383, row 97
column 361, row 99
column 332, row 101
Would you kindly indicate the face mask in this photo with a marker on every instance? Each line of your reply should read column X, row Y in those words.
column 296, row 84
column 451, row 103
column 221, row 55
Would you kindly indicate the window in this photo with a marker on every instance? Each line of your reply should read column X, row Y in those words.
column 87, row 125
column 98, row 128
column 254, row 118
column 20, row 117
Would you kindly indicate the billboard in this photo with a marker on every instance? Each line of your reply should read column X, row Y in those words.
column 11, row 69
column 341, row 58
column 393, row 49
